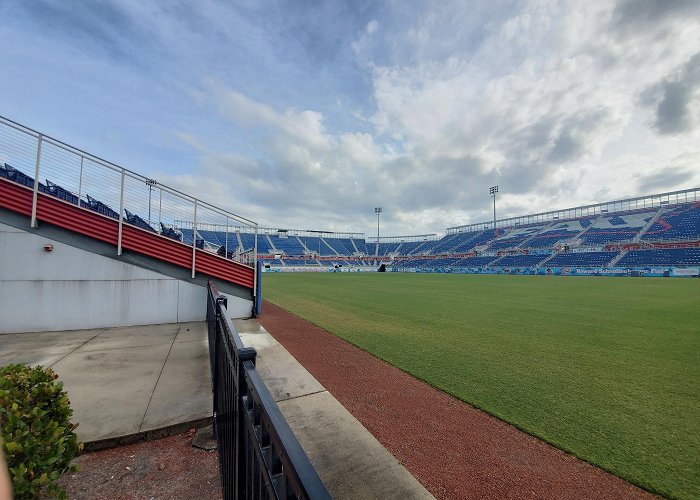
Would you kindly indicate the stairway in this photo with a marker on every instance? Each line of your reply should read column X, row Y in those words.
column 617, row 258
column 543, row 262
column 651, row 222
column 545, row 228
column 579, row 235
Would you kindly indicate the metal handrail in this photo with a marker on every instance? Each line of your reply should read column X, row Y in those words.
column 117, row 168
column 257, row 448
column 113, row 186
column 607, row 208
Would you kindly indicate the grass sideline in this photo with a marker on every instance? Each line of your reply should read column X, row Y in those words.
column 604, row 368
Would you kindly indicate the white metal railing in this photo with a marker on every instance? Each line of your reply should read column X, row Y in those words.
column 653, row 201
column 415, row 238
column 84, row 175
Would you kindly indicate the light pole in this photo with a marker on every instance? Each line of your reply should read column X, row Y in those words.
column 378, row 210
column 493, row 190
column 150, row 183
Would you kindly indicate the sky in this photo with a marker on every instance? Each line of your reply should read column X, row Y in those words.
column 308, row 114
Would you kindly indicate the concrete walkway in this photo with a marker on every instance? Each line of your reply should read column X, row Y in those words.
column 127, row 382
column 348, row 458
column 124, row 382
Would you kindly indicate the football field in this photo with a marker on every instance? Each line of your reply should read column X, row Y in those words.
column 607, row 369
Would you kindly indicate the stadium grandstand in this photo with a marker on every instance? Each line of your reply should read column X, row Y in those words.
column 646, row 233
column 632, row 236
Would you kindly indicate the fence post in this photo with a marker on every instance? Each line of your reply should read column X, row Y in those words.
column 214, row 358
column 258, row 289
column 121, row 215
column 80, row 179
column 255, row 258
column 240, row 480
column 35, row 196
column 194, row 238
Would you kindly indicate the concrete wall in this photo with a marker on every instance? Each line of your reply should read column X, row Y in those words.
column 69, row 288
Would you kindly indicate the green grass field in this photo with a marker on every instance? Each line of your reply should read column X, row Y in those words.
column 604, row 368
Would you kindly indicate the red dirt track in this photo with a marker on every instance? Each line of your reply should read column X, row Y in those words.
column 453, row 449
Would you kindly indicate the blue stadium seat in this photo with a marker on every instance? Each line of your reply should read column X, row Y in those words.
column 289, row 245
column 680, row 223
column 561, row 231
column 618, row 227
column 98, row 207
column 661, row 257
column 55, row 190
column 516, row 235
column 11, row 173
column 519, row 260
column 170, row 232
column 581, row 259
column 138, row 221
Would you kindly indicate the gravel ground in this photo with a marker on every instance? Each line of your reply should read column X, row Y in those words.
column 453, row 449
column 164, row 468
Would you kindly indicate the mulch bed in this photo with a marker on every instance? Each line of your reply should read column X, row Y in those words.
column 165, row 468
column 453, row 449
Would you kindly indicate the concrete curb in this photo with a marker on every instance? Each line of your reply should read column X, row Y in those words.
column 148, row 435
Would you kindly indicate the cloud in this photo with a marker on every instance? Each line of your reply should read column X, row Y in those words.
column 677, row 99
column 642, row 14
column 104, row 25
column 311, row 114
column 666, row 178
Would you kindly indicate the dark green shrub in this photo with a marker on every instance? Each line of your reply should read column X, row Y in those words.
column 37, row 434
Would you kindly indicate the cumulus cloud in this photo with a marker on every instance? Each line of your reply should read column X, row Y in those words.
column 677, row 99
column 311, row 116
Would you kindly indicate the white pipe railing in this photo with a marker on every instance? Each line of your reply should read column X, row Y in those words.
column 77, row 171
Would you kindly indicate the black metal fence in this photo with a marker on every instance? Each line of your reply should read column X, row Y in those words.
column 259, row 456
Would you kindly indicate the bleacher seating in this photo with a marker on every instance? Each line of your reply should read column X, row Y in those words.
column 9, row 172
column 61, row 193
column 316, row 245
column 661, row 257
column 519, row 260
column 484, row 237
column 515, row 236
column 407, row 248
column 98, row 207
column 371, row 248
column 138, row 221
column 682, row 222
column 170, row 232
column 477, row 261
column 387, row 248
column 679, row 223
column 248, row 242
column 289, row 245
column 340, row 246
column 581, row 259
column 560, row 231
column 617, row 227
column 449, row 242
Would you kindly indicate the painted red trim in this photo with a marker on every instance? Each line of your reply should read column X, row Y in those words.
column 60, row 213
column 15, row 197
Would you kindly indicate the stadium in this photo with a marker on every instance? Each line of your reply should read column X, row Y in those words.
column 451, row 283
column 353, row 250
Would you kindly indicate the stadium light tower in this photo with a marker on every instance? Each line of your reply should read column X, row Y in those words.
column 150, row 183
column 493, row 190
column 378, row 210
